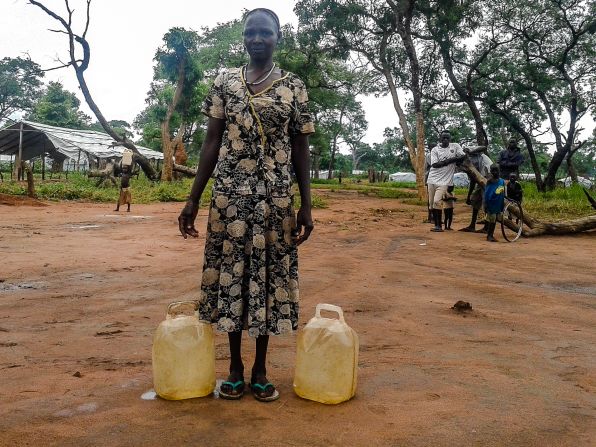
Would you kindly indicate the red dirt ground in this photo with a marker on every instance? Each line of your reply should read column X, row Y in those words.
column 519, row 370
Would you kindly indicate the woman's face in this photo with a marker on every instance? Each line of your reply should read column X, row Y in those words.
column 260, row 36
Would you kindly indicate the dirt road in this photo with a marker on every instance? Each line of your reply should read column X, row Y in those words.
column 82, row 290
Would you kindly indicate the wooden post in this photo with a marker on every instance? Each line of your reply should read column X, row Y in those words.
column 43, row 160
column 11, row 166
column 17, row 164
column 79, row 161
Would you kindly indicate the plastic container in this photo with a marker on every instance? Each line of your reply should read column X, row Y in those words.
column 183, row 355
column 326, row 359
column 127, row 157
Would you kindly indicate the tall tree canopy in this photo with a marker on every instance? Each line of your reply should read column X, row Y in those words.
column 59, row 107
column 20, row 85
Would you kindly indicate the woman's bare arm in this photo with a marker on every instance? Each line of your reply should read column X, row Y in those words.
column 207, row 162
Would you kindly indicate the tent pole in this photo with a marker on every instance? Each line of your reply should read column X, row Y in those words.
column 79, row 161
column 43, row 160
column 17, row 165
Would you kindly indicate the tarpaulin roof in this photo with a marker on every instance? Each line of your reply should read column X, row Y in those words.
column 42, row 138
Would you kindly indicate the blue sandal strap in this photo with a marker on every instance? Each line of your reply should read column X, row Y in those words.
column 262, row 387
column 234, row 385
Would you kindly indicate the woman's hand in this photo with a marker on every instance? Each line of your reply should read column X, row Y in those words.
column 186, row 220
column 304, row 219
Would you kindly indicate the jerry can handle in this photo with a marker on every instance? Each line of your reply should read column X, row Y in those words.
column 175, row 304
column 330, row 308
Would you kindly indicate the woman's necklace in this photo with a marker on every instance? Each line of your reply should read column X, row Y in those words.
column 262, row 79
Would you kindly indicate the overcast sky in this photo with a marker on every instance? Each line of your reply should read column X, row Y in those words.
column 124, row 35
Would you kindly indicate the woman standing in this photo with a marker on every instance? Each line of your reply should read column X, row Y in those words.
column 257, row 132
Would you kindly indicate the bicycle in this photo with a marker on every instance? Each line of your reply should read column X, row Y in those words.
column 512, row 220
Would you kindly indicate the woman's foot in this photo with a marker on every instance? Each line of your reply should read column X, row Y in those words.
column 233, row 387
column 262, row 389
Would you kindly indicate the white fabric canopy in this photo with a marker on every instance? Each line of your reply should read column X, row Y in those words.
column 69, row 143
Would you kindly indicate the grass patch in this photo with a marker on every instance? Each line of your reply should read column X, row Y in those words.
column 317, row 201
column 80, row 188
column 558, row 204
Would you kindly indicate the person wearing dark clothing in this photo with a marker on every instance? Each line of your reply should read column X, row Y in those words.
column 125, row 195
column 510, row 159
column 514, row 189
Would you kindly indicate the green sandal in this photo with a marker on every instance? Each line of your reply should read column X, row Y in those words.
column 257, row 387
column 240, row 384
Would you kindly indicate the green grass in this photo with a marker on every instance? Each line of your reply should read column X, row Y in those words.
column 383, row 190
column 80, row 188
column 559, row 204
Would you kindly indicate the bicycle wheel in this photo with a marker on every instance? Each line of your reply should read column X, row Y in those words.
column 512, row 221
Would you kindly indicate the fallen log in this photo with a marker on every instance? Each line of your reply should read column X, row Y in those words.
column 535, row 227
column 190, row 172
column 106, row 176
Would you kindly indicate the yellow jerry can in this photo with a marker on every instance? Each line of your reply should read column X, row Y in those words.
column 326, row 358
column 183, row 354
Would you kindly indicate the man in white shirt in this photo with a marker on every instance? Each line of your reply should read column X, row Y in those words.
column 443, row 158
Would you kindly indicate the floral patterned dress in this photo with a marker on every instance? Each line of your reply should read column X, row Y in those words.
column 250, row 272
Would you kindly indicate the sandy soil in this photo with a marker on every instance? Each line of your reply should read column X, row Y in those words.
column 83, row 289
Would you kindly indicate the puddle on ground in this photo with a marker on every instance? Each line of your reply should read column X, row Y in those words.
column 125, row 216
column 149, row 395
column 22, row 286
column 83, row 227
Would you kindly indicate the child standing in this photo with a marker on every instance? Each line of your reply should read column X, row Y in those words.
column 448, row 202
column 125, row 195
column 494, row 201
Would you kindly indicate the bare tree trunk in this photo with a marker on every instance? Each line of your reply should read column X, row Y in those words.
column 571, row 168
column 80, row 65
column 26, row 167
column 167, row 143
column 191, row 172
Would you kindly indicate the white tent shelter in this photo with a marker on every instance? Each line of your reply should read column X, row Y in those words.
column 402, row 177
column 585, row 182
column 63, row 145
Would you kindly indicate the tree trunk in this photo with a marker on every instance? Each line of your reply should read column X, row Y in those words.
column 143, row 162
column 404, row 15
column 167, row 143
column 571, row 168
column 106, row 176
column 191, row 172
column 26, row 167
column 514, row 122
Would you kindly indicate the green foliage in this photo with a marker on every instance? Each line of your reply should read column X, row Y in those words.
column 121, row 127
column 20, row 82
column 59, row 107
column 316, row 200
column 80, row 188
column 558, row 204
column 177, row 61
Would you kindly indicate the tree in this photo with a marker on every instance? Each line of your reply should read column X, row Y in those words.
column 555, row 46
column 80, row 63
column 20, row 85
column 383, row 32
column 121, row 127
column 177, row 65
column 59, row 107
